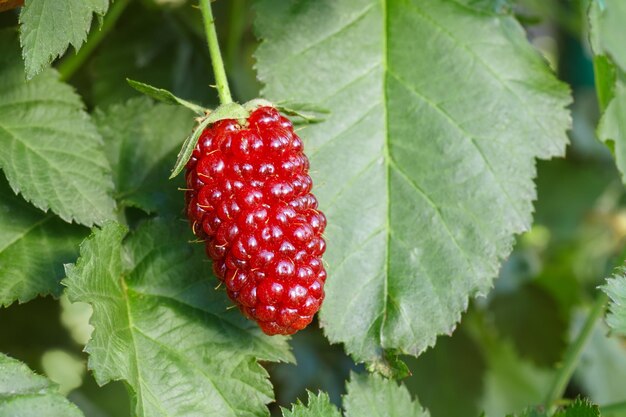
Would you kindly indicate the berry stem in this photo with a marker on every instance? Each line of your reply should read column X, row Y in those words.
column 574, row 352
column 221, row 80
column 72, row 63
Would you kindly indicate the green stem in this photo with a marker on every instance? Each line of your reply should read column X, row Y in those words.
column 573, row 354
column 606, row 410
column 214, row 50
column 72, row 63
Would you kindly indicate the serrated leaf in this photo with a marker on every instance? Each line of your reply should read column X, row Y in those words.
column 580, row 408
column 374, row 395
column 607, row 40
column 26, row 394
column 615, row 288
column 318, row 406
column 141, row 139
column 607, row 29
column 165, row 96
column 425, row 165
column 48, row 27
column 33, row 248
column 161, row 327
column 368, row 395
column 50, row 150
column 225, row 111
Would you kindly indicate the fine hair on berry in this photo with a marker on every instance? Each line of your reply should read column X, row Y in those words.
column 249, row 198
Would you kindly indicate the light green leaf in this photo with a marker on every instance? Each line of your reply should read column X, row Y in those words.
column 616, row 290
column 165, row 96
column 26, row 394
column 50, row 150
column 33, row 248
column 318, row 406
column 141, row 140
column 370, row 395
column 425, row 165
column 607, row 29
column 160, row 326
column 48, row 27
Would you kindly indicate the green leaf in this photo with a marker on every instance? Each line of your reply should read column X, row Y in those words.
column 141, row 139
column 318, row 406
column 33, row 248
column 425, row 165
column 50, row 150
column 48, row 27
column 607, row 30
column 161, row 327
column 165, row 96
column 615, row 288
column 612, row 127
column 26, row 394
column 370, row 395
column 225, row 111
column 580, row 408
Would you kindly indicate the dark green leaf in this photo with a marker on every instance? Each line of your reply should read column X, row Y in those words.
column 48, row 27
column 50, row 150
column 425, row 164
column 33, row 248
column 161, row 327
column 141, row 140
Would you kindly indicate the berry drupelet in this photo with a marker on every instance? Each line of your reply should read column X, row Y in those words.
column 250, row 200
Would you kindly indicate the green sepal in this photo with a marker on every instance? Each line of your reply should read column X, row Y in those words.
column 308, row 112
column 225, row 111
column 305, row 111
column 165, row 96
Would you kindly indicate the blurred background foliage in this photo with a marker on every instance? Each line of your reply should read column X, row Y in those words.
column 502, row 356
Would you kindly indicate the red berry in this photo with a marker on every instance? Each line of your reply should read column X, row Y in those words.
column 250, row 200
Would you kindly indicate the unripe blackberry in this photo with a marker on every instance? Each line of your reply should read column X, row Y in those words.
column 250, row 200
